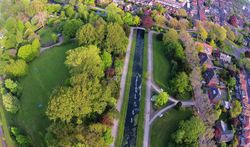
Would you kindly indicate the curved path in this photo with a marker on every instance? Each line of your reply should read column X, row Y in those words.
column 57, row 44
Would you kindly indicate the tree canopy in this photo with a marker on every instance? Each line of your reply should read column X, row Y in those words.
column 189, row 131
column 161, row 99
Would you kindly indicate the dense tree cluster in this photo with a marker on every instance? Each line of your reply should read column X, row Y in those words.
column 88, row 95
column 189, row 132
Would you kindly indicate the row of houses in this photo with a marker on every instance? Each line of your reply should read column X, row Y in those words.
column 217, row 91
column 244, row 138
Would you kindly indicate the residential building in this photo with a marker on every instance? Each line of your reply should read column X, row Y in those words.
column 222, row 133
column 210, row 77
column 214, row 95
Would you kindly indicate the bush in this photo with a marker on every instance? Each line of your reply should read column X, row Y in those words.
column 16, row 68
column 11, row 103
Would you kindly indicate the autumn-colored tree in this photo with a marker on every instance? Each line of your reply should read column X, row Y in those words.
column 147, row 22
column 233, row 20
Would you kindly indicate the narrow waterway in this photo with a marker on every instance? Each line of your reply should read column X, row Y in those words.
column 130, row 131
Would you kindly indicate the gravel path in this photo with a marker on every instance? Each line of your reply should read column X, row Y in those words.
column 123, row 82
column 148, row 91
column 152, row 86
column 57, row 44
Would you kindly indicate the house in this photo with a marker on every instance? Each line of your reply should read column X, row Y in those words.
column 225, row 58
column 222, row 133
column 210, row 77
column 214, row 95
column 205, row 60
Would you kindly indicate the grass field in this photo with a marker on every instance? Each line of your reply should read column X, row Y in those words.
column 122, row 118
column 162, row 128
column 140, row 128
column 46, row 72
column 161, row 64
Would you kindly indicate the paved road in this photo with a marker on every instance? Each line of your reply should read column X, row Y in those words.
column 123, row 82
column 161, row 112
column 57, row 44
column 152, row 86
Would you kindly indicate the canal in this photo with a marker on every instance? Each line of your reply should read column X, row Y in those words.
column 130, row 131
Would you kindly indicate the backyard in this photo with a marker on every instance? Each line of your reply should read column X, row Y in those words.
column 162, row 66
column 163, row 127
column 45, row 73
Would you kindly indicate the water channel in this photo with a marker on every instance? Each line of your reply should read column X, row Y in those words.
column 130, row 131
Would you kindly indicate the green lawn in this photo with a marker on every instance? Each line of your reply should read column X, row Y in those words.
column 46, row 72
column 140, row 128
column 162, row 128
column 122, row 118
column 161, row 64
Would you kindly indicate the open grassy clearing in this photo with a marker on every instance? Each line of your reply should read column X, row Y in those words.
column 162, row 128
column 45, row 73
column 122, row 118
column 140, row 128
column 161, row 65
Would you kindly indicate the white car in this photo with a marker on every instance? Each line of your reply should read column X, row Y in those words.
column 160, row 115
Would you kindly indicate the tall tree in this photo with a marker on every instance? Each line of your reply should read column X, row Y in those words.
column 10, row 103
column 16, row 68
column 189, row 131
column 116, row 40
column 86, row 35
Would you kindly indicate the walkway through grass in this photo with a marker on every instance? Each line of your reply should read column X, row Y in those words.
column 46, row 72
column 162, row 128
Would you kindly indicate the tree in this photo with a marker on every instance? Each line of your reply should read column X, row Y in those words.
column 29, row 52
column 202, row 33
column 170, row 36
column 160, row 20
column 161, row 99
column 220, row 32
column 20, row 138
column 173, row 23
column 182, row 12
column 86, row 35
column 11, row 85
column 83, row 12
column 236, row 109
column 11, row 103
column 230, row 35
column 116, row 40
column 69, row 11
column 53, row 8
column 70, row 28
column 79, row 100
column 233, row 20
column 107, row 59
column 183, row 24
column 16, row 68
column 147, row 22
column 128, row 19
column 114, row 13
column 180, row 84
column 231, row 82
column 189, row 131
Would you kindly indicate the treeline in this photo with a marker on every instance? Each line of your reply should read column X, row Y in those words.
column 83, row 110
